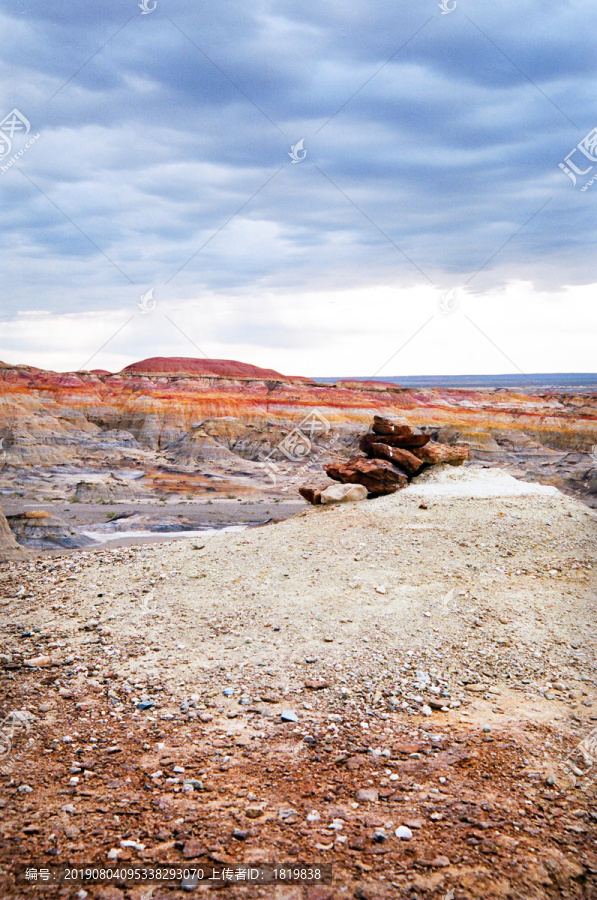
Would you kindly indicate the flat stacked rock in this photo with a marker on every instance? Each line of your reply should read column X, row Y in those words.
column 394, row 452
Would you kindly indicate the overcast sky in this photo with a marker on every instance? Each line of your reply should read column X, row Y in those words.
column 429, row 164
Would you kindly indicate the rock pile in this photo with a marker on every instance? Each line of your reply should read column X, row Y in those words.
column 394, row 452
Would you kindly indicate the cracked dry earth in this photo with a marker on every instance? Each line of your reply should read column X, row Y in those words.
column 437, row 650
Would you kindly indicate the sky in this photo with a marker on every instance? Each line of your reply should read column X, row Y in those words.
column 424, row 223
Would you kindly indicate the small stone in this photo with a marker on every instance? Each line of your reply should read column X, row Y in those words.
column 288, row 815
column 381, row 589
column 316, row 685
column 287, row 715
column 313, row 816
column 194, row 783
column 135, row 845
column 39, row 662
column 145, row 704
column 404, row 833
column 487, row 728
column 426, row 710
column 366, row 795
column 114, row 853
column 379, row 837
column 189, row 883
column 178, row 770
column 253, row 812
column 228, row 692
column 240, row 835
column 205, row 717
column 24, row 789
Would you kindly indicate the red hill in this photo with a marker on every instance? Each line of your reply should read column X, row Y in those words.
column 182, row 365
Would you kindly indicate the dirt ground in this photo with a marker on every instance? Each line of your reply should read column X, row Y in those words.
column 434, row 652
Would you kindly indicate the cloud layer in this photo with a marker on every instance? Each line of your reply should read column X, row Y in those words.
column 433, row 144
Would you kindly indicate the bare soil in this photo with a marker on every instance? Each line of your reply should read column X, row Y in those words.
column 436, row 646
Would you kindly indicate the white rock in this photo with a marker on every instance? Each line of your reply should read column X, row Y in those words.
column 426, row 710
column 404, row 833
column 343, row 493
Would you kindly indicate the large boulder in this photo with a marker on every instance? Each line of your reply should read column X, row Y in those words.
column 395, row 434
column 433, row 454
column 402, row 458
column 343, row 493
column 9, row 548
column 377, row 475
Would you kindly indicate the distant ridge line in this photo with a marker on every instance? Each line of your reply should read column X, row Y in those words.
column 543, row 380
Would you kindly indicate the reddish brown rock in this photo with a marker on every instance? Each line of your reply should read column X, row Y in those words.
column 441, row 453
column 381, row 425
column 402, row 436
column 377, row 475
column 407, row 461
column 417, row 439
column 311, row 495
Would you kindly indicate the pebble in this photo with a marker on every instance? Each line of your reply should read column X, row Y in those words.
column 228, row 692
column 24, row 789
column 134, row 844
column 287, row 715
column 253, row 812
column 379, row 837
column 381, row 589
column 194, row 783
column 313, row 816
column 39, row 662
column 404, row 833
column 426, row 710
column 288, row 815
column 145, row 704
column 366, row 795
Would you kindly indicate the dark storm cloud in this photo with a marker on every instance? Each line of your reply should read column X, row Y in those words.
column 174, row 128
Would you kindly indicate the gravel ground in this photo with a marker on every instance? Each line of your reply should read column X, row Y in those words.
column 435, row 649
